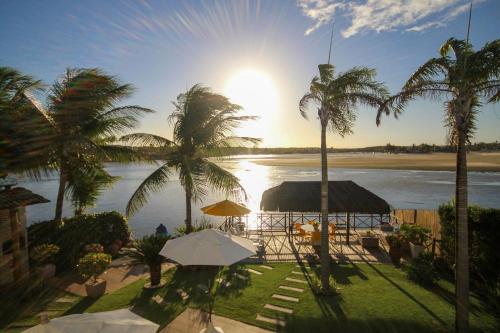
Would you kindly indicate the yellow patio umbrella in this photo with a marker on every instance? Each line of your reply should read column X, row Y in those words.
column 226, row 208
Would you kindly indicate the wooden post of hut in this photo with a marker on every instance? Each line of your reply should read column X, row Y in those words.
column 348, row 226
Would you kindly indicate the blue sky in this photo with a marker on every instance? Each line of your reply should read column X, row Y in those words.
column 164, row 47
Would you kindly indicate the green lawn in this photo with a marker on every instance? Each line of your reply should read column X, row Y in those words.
column 373, row 298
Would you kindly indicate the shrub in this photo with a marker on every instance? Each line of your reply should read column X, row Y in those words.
column 203, row 224
column 44, row 254
column 103, row 228
column 93, row 264
column 414, row 233
column 422, row 271
column 484, row 248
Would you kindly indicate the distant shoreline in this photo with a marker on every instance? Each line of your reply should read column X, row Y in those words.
column 484, row 162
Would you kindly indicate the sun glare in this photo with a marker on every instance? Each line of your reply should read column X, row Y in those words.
column 256, row 92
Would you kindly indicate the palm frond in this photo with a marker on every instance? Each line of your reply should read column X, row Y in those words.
column 153, row 183
column 145, row 140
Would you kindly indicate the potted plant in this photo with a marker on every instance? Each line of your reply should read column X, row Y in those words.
column 416, row 236
column 90, row 267
column 44, row 256
column 395, row 243
column 146, row 251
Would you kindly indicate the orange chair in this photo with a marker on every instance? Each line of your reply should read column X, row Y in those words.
column 302, row 233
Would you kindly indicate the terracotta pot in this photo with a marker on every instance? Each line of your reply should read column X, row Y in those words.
column 119, row 243
column 395, row 253
column 415, row 250
column 369, row 242
column 48, row 271
column 95, row 289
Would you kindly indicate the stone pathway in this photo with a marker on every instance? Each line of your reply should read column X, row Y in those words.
column 120, row 273
column 273, row 321
column 278, row 308
column 266, row 267
column 299, row 290
column 285, row 298
column 296, row 280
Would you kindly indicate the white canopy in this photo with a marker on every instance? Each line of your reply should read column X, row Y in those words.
column 118, row 321
column 208, row 247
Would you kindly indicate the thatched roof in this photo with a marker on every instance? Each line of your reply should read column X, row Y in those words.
column 343, row 197
column 19, row 196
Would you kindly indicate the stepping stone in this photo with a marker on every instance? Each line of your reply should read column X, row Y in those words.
column 183, row 294
column 299, row 290
column 158, row 299
column 278, row 308
column 285, row 298
column 266, row 267
column 296, row 280
column 241, row 277
column 273, row 321
column 65, row 300
column 254, row 271
column 297, row 273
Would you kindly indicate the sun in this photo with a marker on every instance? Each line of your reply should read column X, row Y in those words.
column 256, row 92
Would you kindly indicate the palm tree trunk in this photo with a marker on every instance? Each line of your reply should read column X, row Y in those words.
column 60, row 196
column 155, row 273
column 189, row 225
column 461, row 238
column 325, row 248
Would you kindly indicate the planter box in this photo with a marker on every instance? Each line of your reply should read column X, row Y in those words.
column 416, row 250
column 369, row 242
column 386, row 228
column 95, row 289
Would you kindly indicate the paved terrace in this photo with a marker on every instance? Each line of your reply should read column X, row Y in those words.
column 282, row 247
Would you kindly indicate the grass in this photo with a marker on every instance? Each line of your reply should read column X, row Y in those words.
column 373, row 298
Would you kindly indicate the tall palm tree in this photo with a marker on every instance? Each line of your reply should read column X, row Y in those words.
column 84, row 120
column 336, row 97
column 204, row 124
column 466, row 78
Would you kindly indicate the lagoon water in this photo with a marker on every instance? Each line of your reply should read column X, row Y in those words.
column 401, row 188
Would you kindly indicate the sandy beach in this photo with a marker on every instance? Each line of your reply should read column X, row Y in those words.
column 433, row 161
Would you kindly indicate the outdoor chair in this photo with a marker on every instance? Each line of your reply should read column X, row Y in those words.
column 331, row 231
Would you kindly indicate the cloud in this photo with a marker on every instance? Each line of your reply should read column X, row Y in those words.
column 383, row 15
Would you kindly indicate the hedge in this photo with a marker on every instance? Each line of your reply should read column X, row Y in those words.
column 103, row 228
column 484, row 247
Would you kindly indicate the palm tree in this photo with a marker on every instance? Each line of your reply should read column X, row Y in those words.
column 336, row 98
column 465, row 79
column 22, row 137
column 147, row 252
column 84, row 121
column 204, row 124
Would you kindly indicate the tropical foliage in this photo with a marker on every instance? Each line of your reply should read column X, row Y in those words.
column 204, row 124
column 22, row 137
column 336, row 97
column 93, row 264
column 466, row 79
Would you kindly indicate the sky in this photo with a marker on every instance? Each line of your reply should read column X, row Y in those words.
column 261, row 54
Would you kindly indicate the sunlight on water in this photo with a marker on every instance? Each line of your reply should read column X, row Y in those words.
column 255, row 179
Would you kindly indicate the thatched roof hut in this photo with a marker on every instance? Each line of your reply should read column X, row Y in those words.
column 343, row 197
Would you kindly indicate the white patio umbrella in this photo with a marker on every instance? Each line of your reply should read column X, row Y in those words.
column 209, row 247
column 118, row 321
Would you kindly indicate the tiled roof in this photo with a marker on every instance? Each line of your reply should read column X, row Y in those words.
column 18, row 196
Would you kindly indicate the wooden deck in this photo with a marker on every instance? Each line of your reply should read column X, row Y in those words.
column 282, row 247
